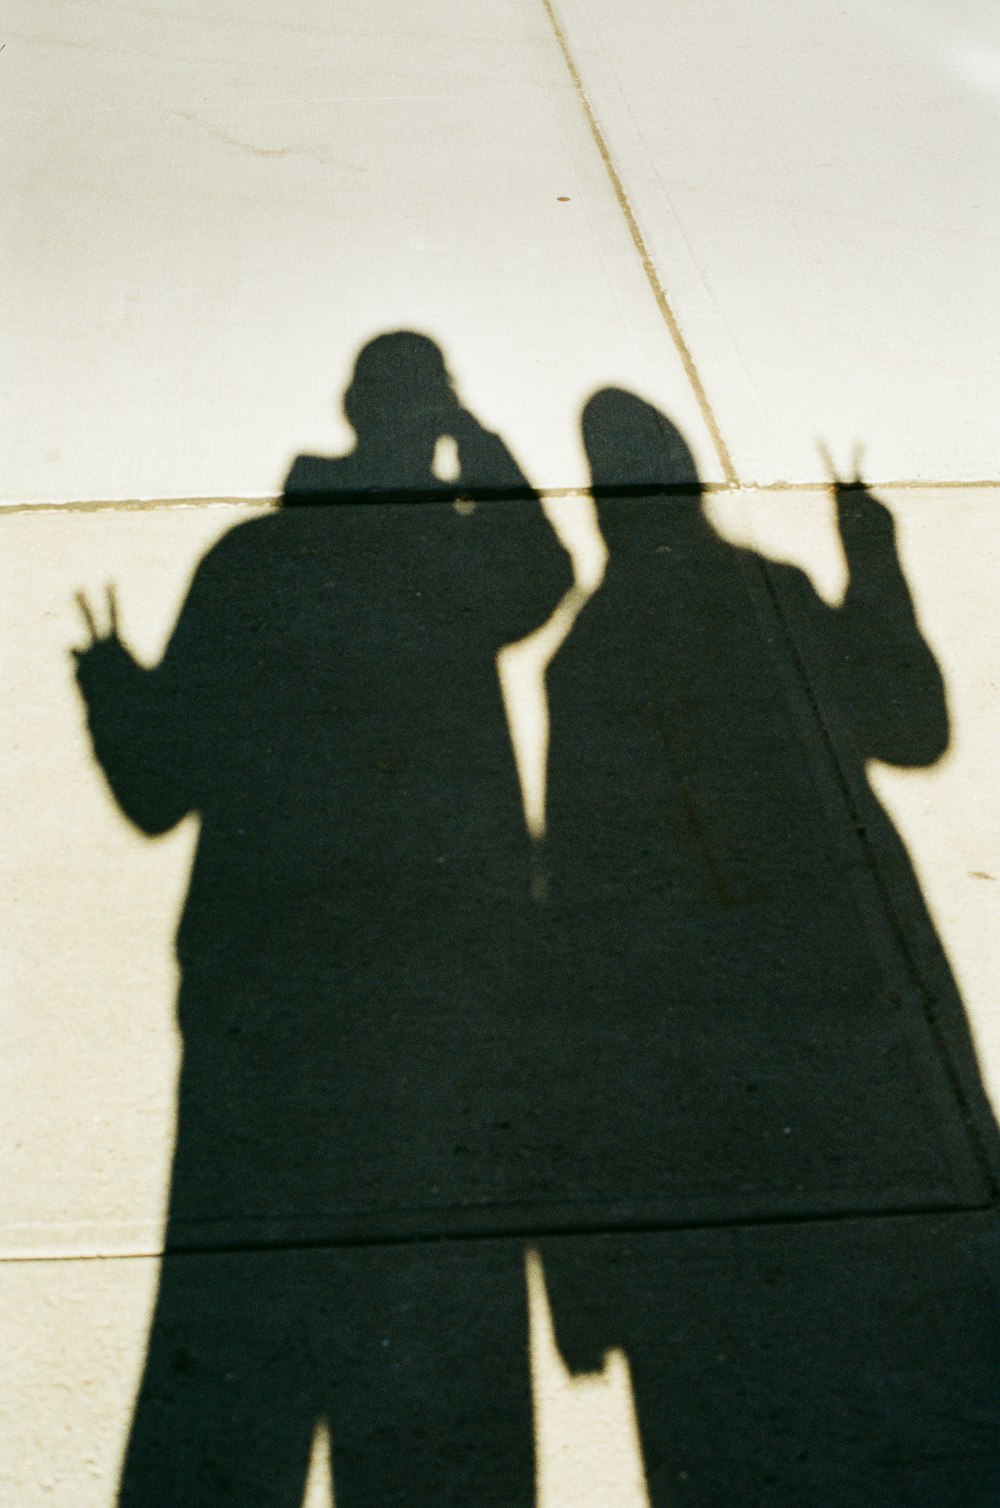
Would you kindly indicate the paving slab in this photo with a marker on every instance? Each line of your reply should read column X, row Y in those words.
column 816, row 186
column 209, row 212
column 728, row 1006
column 848, row 1362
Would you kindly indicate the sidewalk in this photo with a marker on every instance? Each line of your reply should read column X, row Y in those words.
column 718, row 1103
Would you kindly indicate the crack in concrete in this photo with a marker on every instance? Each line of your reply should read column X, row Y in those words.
column 319, row 153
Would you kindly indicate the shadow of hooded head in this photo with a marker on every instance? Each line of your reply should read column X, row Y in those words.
column 632, row 446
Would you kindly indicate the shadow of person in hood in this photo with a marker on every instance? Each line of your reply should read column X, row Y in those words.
column 768, row 1044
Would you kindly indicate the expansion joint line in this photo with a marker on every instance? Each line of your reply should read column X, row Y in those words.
column 642, row 250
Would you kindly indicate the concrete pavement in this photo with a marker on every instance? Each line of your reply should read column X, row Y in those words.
column 775, row 237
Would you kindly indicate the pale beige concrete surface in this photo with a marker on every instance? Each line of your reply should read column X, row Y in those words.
column 73, row 1335
column 208, row 212
column 817, row 186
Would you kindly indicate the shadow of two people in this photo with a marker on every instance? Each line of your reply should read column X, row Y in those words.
column 386, row 1039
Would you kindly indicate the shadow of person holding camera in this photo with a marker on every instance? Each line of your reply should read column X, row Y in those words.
column 351, row 966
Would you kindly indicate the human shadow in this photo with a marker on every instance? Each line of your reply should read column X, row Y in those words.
column 713, row 1074
column 779, row 1062
column 328, row 704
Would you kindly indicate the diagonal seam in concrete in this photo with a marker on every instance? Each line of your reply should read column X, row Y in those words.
column 642, row 250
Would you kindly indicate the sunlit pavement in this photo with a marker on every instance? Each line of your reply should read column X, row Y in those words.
column 779, row 229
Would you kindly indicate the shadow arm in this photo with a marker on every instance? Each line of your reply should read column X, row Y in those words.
column 151, row 727
column 486, row 464
column 893, row 684
column 129, row 719
column 529, row 571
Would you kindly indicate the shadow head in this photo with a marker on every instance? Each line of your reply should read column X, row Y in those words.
column 631, row 445
column 638, row 458
column 400, row 386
